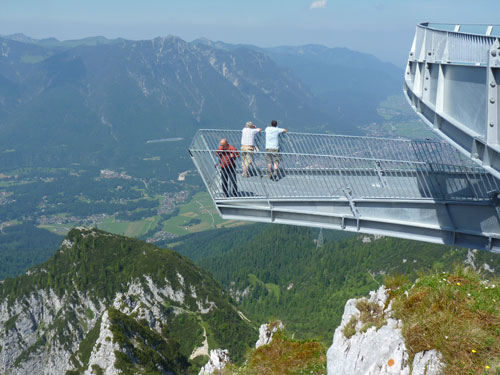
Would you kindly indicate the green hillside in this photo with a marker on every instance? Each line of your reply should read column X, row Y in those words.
column 455, row 313
column 102, row 267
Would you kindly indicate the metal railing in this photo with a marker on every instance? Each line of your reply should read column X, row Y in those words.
column 316, row 166
column 455, row 44
column 341, row 145
column 452, row 80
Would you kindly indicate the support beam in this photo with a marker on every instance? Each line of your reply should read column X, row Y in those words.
column 438, row 222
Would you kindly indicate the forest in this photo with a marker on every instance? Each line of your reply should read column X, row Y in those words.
column 277, row 271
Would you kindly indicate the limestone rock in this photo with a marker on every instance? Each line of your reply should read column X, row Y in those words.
column 267, row 331
column 103, row 353
column 218, row 360
column 376, row 352
column 373, row 352
column 27, row 321
column 428, row 362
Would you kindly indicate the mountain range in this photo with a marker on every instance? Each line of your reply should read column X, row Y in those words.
column 109, row 302
column 98, row 101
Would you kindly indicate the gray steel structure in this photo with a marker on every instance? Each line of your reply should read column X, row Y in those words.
column 452, row 80
column 409, row 189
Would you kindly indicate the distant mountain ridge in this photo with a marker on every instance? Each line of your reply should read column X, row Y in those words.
column 348, row 84
column 87, row 104
column 54, row 42
column 108, row 303
column 98, row 99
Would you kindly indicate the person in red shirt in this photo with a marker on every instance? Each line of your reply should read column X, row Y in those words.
column 227, row 163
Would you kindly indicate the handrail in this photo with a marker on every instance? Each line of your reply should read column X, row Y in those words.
column 323, row 135
column 458, row 28
column 325, row 155
column 328, row 167
column 451, row 81
column 369, row 148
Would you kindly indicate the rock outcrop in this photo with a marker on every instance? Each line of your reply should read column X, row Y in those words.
column 369, row 342
column 429, row 362
column 103, row 354
column 267, row 331
column 219, row 358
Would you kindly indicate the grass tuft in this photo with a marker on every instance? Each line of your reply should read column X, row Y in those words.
column 284, row 356
column 458, row 314
column 396, row 281
column 350, row 328
column 371, row 314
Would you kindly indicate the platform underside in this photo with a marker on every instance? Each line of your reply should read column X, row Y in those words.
column 430, row 221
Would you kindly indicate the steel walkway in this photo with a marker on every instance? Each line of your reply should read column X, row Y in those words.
column 410, row 189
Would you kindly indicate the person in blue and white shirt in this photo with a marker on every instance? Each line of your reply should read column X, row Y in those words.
column 272, row 149
column 248, row 147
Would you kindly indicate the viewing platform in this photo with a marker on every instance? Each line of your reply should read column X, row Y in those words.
column 420, row 190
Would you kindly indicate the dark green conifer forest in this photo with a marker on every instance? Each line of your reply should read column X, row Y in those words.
column 278, row 271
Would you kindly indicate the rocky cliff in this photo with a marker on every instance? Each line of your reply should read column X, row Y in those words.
column 444, row 323
column 369, row 341
column 108, row 304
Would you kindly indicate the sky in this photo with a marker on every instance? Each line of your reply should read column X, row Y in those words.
column 384, row 28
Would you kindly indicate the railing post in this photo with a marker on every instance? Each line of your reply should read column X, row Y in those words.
column 493, row 74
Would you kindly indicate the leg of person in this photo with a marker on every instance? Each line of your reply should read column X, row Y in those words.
column 252, row 169
column 244, row 161
column 269, row 160
column 277, row 170
column 232, row 177
column 224, row 175
column 250, row 166
column 247, row 159
column 274, row 160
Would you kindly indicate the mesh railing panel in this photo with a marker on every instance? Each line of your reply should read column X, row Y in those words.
column 325, row 166
column 338, row 145
column 468, row 49
column 439, row 40
column 463, row 47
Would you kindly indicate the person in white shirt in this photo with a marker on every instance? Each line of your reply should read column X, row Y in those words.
column 248, row 146
column 273, row 148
